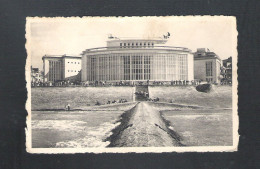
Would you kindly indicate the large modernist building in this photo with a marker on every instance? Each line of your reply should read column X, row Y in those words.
column 207, row 66
column 61, row 67
column 137, row 60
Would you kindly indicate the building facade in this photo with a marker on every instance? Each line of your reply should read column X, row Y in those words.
column 227, row 66
column 36, row 75
column 57, row 68
column 137, row 60
column 207, row 66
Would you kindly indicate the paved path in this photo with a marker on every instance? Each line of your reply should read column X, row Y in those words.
column 145, row 128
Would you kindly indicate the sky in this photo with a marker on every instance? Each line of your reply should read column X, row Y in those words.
column 71, row 36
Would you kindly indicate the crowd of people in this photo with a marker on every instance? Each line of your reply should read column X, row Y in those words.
column 68, row 107
column 154, row 99
column 140, row 83
column 142, row 93
column 226, row 82
column 146, row 96
column 121, row 83
column 62, row 83
column 112, row 102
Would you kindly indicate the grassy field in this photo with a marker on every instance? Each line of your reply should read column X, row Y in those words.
column 219, row 97
column 58, row 97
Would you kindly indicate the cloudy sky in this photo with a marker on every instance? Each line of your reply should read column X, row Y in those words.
column 58, row 36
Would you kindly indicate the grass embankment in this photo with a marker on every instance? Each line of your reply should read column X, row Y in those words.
column 58, row 97
column 219, row 97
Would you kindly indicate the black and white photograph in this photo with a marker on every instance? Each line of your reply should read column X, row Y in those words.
column 131, row 84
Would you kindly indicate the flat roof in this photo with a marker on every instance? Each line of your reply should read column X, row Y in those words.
column 136, row 39
column 207, row 57
column 61, row 56
column 103, row 49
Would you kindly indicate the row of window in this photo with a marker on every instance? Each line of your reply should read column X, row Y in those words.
column 209, row 79
column 135, row 44
column 74, row 62
column 142, row 67
column 72, row 71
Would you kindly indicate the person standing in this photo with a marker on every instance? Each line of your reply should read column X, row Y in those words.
column 68, row 107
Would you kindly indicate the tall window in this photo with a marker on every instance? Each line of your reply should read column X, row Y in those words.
column 126, row 71
column 147, row 67
column 92, row 69
column 54, row 70
column 137, row 67
column 208, row 68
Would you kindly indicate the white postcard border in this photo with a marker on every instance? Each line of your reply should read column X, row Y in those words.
column 233, row 148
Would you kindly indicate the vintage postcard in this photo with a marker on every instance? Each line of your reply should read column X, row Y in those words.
column 131, row 84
